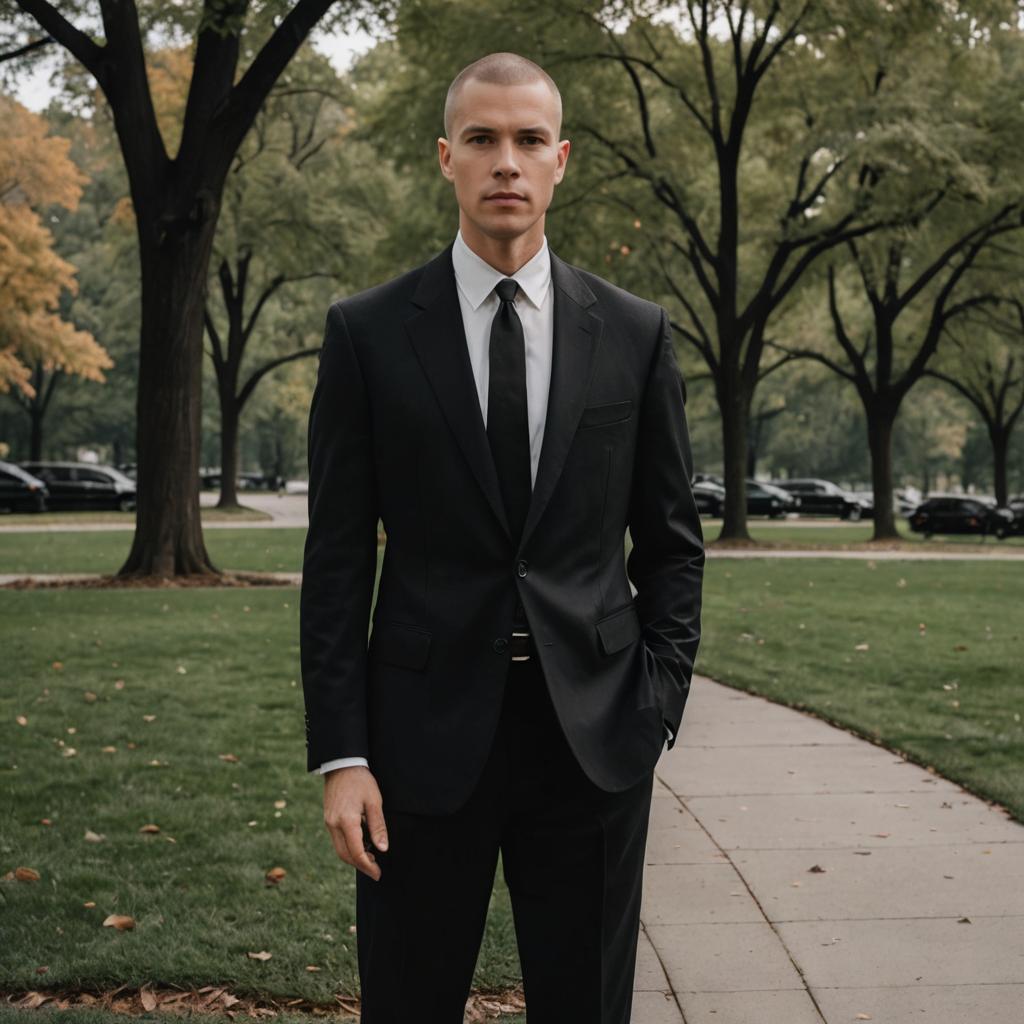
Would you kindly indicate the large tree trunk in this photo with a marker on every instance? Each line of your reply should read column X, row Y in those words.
column 229, row 417
column 880, row 423
column 175, row 256
column 734, row 406
column 1000, row 439
column 35, row 442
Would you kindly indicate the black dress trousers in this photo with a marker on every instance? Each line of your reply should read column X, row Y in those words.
column 572, row 856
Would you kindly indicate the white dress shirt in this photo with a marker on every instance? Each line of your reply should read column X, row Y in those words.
column 535, row 304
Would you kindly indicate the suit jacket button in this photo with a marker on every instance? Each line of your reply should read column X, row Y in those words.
column 500, row 645
column 521, row 569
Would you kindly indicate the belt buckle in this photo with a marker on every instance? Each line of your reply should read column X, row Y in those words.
column 520, row 657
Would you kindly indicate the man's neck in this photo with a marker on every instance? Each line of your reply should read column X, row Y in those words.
column 504, row 254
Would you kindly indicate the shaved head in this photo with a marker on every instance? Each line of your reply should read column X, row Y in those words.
column 498, row 69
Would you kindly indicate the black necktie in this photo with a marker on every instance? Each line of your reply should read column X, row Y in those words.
column 508, row 427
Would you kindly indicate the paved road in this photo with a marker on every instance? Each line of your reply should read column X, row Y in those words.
column 797, row 875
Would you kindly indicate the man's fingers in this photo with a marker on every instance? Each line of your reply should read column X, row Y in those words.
column 361, row 860
column 376, row 827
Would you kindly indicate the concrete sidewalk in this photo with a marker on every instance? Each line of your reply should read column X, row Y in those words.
column 797, row 874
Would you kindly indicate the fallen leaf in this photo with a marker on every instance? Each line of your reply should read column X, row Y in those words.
column 26, row 874
column 182, row 670
column 89, row 697
column 42, row 970
column 964, row 920
column 228, row 757
column 312, row 967
column 118, row 684
column 275, row 874
column 93, row 837
column 21, row 720
column 280, row 804
column 959, row 647
column 261, row 955
column 816, row 869
column 89, row 903
column 69, row 751
column 122, row 922
column 58, row 665
column 148, row 999
column 150, row 828
column 109, row 750
column 149, row 718
column 862, row 647
column 864, row 1016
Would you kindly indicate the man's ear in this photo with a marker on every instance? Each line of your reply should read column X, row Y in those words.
column 444, row 157
column 563, row 155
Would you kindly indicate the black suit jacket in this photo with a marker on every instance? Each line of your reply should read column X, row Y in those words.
column 396, row 432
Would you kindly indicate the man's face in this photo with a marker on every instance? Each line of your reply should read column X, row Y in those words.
column 504, row 156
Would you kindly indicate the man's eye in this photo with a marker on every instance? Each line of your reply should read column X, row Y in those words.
column 479, row 138
column 534, row 140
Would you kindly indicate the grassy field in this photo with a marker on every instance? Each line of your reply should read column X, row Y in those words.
column 205, row 674
column 922, row 657
column 940, row 673
column 101, row 551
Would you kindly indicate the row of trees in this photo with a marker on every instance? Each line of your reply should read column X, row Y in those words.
column 833, row 182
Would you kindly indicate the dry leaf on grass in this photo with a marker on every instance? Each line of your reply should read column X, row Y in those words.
column 148, row 999
column 122, row 922
column 150, row 828
column 261, row 955
column 26, row 874
column 228, row 757
column 93, row 837
column 275, row 875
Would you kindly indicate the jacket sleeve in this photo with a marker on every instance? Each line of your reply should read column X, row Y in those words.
column 339, row 563
column 666, row 563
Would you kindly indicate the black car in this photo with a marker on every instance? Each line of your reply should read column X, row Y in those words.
column 961, row 514
column 709, row 497
column 1016, row 506
column 21, row 491
column 84, row 485
column 824, row 498
column 769, row 500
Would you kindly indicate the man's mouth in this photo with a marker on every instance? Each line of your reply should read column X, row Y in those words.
column 505, row 198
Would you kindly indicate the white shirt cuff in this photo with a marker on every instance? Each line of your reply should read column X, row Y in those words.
column 342, row 762
column 669, row 733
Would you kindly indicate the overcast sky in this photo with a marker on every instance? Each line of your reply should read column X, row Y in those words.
column 35, row 92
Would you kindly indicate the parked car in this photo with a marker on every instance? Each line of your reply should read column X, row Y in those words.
column 20, row 491
column 1016, row 506
column 765, row 499
column 824, row 498
column 709, row 497
column 949, row 513
column 84, row 485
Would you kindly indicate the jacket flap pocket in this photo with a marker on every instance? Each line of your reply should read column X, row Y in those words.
column 399, row 643
column 610, row 412
column 619, row 629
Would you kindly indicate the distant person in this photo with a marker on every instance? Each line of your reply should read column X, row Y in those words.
column 507, row 416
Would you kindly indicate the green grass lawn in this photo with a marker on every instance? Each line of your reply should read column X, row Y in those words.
column 830, row 533
column 218, row 670
column 263, row 549
column 941, row 678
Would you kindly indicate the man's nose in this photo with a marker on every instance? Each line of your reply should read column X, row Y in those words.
column 506, row 165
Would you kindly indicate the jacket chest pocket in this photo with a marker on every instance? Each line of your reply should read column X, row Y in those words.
column 606, row 413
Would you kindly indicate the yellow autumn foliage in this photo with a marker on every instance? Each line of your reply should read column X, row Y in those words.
column 36, row 171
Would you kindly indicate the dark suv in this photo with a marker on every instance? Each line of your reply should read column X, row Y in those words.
column 824, row 498
column 83, row 485
column 948, row 513
column 20, row 491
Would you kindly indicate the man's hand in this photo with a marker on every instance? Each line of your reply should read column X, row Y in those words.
column 350, row 794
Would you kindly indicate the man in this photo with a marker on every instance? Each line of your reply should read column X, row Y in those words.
column 506, row 416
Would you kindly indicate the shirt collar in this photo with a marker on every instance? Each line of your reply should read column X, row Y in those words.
column 476, row 278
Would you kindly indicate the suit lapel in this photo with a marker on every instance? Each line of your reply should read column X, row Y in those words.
column 439, row 340
column 577, row 333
